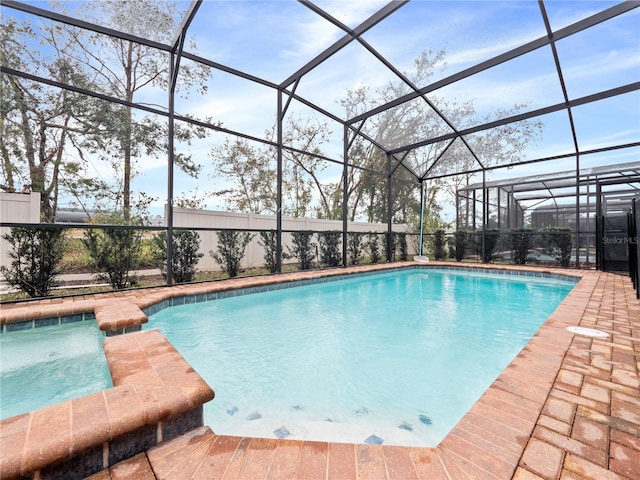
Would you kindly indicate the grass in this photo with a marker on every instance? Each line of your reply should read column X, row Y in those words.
column 77, row 260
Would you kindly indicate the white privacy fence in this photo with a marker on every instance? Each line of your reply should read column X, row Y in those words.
column 16, row 208
column 25, row 208
column 254, row 254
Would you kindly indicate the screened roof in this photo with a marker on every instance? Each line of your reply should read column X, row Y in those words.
column 462, row 74
column 617, row 183
column 626, row 173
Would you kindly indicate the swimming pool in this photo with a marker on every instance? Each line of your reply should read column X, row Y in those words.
column 47, row 365
column 394, row 358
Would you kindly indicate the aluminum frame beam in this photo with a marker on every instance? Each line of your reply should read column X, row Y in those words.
column 58, row 17
column 371, row 22
column 583, row 24
column 628, row 88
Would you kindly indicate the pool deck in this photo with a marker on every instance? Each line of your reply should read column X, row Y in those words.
column 567, row 407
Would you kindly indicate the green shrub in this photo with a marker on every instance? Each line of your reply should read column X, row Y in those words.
column 114, row 251
column 461, row 241
column 521, row 242
column 374, row 247
column 185, row 255
column 330, row 254
column 402, row 245
column 303, row 249
column 35, row 256
column 231, row 247
column 439, row 245
column 491, row 238
column 556, row 242
column 268, row 242
column 354, row 247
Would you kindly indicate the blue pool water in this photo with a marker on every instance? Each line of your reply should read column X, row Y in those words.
column 47, row 365
column 396, row 358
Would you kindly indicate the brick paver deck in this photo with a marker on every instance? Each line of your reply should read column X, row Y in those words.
column 568, row 407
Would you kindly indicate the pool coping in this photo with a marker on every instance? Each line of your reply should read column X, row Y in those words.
column 497, row 438
column 125, row 311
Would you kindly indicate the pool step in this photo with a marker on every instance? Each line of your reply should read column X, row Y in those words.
column 178, row 458
column 134, row 468
column 202, row 454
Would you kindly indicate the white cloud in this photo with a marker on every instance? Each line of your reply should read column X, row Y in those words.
column 353, row 12
column 471, row 56
column 608, row 65
column 620, row 137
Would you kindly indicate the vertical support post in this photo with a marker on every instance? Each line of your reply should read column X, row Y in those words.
column 577, row 210
column 457, row 211
column 170, row 162
column 599, row 228
column 474, row 201
column 466, row 206
column 510, row 224
column 279, row 186
column 498, row 189
column 174, row 66
column 345, row 193
column 422, row 215
column 389, row 210
column 485, row 212
column 588, row 207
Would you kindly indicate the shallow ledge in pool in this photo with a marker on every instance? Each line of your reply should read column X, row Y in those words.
column 125, row 312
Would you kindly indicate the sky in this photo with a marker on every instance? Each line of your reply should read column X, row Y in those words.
column 273, row 39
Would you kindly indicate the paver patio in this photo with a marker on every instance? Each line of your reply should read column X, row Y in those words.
column 567, row 407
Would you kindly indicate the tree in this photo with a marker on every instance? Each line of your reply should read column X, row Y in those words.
column 51, row 136
column 42, row 126
column 390, row 246
column 123, row 68
column 366, row 180
column 250, row 175
column 250, row 171
column 485, row 243
column 402, row 245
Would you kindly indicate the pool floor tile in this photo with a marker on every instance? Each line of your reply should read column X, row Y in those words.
column 282, row 432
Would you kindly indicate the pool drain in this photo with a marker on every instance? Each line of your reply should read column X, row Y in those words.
column 588, row 332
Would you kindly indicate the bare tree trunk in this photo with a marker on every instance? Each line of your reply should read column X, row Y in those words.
column 126, row 147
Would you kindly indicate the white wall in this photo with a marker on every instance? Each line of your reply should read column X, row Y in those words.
column 254, row 254
column 19, row 208
column 25, row 208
